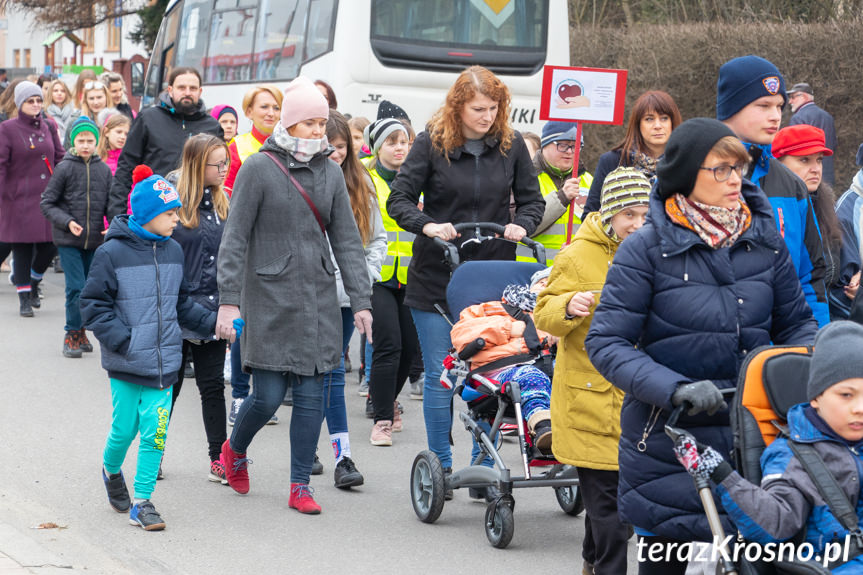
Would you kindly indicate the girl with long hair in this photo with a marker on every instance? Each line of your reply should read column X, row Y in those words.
column 202, row 219
column 113, row 139
column 654, row 115
column 466, row 165
column 367, row 215
column 60, row 106
column 94, row 99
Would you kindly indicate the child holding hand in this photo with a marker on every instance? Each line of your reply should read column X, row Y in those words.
column 135, row 301
column 75, row 202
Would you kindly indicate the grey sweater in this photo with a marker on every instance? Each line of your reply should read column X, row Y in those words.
column 274, row 263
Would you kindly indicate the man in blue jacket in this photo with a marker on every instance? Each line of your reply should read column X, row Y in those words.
column 750, row 97
column 802, row 102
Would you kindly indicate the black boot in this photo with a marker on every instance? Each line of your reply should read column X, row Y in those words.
column 35, row 301
column 25, row 309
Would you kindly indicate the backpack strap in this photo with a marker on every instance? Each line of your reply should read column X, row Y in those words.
column 299, row 189
column 832, row 494
column 531, row 338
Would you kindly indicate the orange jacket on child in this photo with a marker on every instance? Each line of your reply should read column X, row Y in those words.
column 503, row 334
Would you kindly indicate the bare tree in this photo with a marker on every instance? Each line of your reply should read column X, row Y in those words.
column 72, row 14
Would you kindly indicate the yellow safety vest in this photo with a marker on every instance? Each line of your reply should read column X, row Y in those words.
column 400, row 244
column 555, row 236
column 247, row 144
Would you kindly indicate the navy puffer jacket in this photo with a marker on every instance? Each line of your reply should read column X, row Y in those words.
column 675, row 311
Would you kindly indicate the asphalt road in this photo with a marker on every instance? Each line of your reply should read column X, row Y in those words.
column 54, row 417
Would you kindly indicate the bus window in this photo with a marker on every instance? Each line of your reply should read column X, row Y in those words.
column 232, row 34
column 192, row 44
column 162, row 59
column 290, row 34
column 508, row 37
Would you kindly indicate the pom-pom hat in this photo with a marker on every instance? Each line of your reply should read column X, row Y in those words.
column 151, row 195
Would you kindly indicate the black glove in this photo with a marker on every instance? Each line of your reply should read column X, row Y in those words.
column 701, row 395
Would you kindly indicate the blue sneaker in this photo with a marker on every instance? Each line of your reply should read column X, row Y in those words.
column 118, row 495
column 145, row 515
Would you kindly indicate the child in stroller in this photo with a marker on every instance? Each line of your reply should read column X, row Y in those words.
column 505, row 326
column 824, row 438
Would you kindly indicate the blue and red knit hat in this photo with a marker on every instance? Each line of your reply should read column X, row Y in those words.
column 151, row 195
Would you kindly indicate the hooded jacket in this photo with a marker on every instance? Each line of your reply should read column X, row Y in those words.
column 459, row 187
column 675, row 311
column 787, row 499
column 849, row 211
column 29, row 150
column 585, row 407
column 78, row 191
column 156, row 139
column 134, row 301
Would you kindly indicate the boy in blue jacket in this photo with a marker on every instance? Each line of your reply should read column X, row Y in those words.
column 832, row 422
column 134, row 302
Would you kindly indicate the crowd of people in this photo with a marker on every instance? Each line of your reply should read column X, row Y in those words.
column 691, row 244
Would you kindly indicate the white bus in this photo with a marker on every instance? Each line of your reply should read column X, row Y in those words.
column 405, row 51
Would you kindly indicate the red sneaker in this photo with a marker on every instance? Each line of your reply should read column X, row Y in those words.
column 236, row 468
column 302, row 500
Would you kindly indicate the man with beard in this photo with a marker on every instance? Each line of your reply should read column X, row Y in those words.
column 159, row 133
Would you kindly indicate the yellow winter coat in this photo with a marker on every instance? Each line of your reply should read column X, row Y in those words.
column 585, row 408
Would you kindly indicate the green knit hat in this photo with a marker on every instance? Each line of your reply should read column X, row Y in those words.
column 83, row 124
column 622, row 188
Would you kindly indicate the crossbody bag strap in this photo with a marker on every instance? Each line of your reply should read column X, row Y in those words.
column 299, row 189
column 830, row 491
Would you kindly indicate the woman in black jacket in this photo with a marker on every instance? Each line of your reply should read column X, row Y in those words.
column 202, row 219
column 654, row 115
column 465, row 165
column 706, row 280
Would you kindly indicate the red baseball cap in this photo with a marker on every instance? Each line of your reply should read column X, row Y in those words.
column 800, row 140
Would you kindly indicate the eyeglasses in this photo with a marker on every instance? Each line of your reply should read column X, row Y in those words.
column 91, row 85
column 723, row 172
column 564, row 148
column 221, row 166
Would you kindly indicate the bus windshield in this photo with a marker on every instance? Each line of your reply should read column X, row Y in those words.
column 507, row 36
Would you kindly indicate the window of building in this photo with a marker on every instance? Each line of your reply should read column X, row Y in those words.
column 113, row 35
column 16, row 57
column 27, row 63
column 89, row 38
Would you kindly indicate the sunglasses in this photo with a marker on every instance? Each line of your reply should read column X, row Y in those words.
column 91, row 85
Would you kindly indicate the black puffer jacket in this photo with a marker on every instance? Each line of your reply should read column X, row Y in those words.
column 458, row 188
column 156, row 139
column 200, row 254
column 78, row 191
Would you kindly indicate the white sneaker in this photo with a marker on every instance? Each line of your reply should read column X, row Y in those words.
column 235, row 409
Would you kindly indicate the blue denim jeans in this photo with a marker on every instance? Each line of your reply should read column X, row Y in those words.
column 76, row 266
column 335, row 411
column 239, row 380
column 433, row 332
column 267, row 395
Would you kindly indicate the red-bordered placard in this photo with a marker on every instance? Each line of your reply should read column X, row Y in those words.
column 590, row 95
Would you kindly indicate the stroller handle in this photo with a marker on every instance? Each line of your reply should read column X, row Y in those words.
column 451, row 251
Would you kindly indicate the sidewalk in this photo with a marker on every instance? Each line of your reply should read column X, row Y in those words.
column 9, row 566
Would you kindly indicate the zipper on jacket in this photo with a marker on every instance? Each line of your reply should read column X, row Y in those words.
column 476, row 190
column 87, row 225
column 159, row 311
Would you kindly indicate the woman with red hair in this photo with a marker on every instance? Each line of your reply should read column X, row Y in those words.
column 465, row 165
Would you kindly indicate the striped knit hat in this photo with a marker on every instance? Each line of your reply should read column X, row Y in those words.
column 378, row 131
column 622, row 188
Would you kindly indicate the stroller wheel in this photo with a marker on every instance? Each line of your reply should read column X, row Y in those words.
column 499, row 524
column 427, row 487
column 569, row 499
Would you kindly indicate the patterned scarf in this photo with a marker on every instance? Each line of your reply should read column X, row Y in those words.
column 718, row 227
column 300, row 148
column 645, row 163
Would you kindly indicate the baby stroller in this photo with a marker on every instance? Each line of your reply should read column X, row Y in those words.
column 490, row 400
column 772, row 380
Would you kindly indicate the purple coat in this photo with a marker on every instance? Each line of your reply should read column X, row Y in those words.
column 24, row 175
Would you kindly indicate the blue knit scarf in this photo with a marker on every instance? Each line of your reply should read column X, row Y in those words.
column 142, row 233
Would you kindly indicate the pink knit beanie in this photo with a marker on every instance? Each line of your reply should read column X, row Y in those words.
column 303, row 101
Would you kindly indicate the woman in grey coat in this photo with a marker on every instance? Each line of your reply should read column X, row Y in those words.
column 275, row 270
